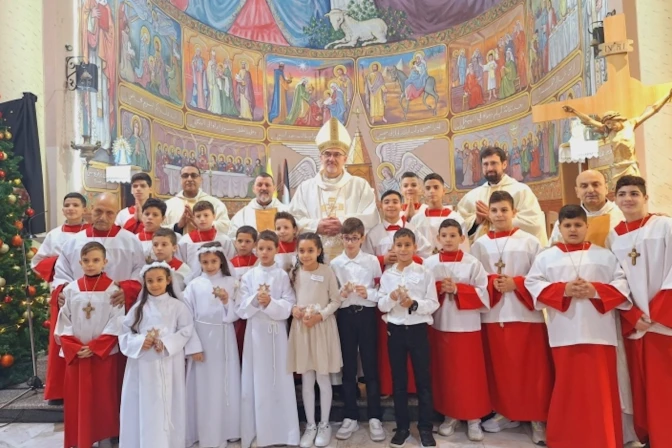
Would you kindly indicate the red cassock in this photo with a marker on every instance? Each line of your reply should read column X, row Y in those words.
column 518, row 361
column 459, row 381
column 649, row 361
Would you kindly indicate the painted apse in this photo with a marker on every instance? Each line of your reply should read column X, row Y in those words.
column 238, row 87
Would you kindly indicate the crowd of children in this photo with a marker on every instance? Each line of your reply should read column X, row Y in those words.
column 462, row 327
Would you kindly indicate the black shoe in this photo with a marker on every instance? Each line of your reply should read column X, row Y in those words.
column 427, row 438
column 55, row 402
column 400, row 438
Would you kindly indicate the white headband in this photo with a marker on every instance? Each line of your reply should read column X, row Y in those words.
column 212, row 249
column 153, row 265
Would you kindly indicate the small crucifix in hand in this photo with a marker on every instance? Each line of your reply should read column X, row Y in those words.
column 88, row 309
column 633, row 256
column 500, row 265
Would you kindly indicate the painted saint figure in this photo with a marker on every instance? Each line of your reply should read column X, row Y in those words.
column 281, row 84
column 376, row 93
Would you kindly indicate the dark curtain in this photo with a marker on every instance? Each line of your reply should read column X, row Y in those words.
column 22, row 121
column 431, row 16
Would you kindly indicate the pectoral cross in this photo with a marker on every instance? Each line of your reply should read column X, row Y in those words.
column 500, row 265
column 633, row 256
column 88, row 309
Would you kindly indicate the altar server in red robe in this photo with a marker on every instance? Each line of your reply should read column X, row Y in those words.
column 581, row 285
column 459, row 379
column 87, row 329
column 43, row 263
column 643, row 245
column 517, row 355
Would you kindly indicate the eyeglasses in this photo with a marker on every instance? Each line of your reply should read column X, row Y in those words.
column 351, row 239
column 188, row 175
column 333, row 155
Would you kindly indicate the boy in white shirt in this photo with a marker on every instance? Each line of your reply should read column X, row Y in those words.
column 246, row 239
column 408, row 297
column 459, row 379
column 357, row 273
column 517, row 355
column 643, row 245
column 187, row 248
column 164, row 247
column 153, row 212
column 580, row 286
column 411, row 190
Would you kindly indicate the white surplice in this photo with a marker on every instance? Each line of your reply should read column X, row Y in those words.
column 187, row 250
column 429, row 221
column 463, row 269
column 53, row 244
column 344, row 197
column 268, row 410
column 213, row 386
column 581, row 323
column 517, row 252
column 529, row 215
column 175, row 209
column 153, row 395
column 379, row 240
column 615, row 216
column 247, row 216
column 124, row 256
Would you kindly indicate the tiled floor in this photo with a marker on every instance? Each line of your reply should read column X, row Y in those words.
column 48, row 435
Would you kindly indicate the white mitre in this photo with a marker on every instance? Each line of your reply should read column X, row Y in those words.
column 333, row 135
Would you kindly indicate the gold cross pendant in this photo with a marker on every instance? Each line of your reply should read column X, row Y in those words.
column 500, row 265
column 88, row 309
column 633, row 256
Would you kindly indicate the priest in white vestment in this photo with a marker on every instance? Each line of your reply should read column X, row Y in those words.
column 179, row 216
column 603, row 215
column 260, row 212
column 474, row 205
column 322, row 203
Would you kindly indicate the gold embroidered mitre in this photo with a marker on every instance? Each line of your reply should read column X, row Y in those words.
column 333, row 135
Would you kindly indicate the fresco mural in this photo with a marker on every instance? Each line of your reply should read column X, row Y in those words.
column 532, row 150
column 150, row 50
column 404, row 87
column 228, row 85
column 228, row 167
column 303, row 23
column 489, row 65
column 222, row 80
column 308, row 92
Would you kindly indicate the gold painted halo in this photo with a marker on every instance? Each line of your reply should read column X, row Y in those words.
column 239, row 159
column 157, row 40
column 380, row 67
column 419, row 53
column 136, row 119
column 342, row 67
column 229, row 158
column 248, row 160
column 379, row 170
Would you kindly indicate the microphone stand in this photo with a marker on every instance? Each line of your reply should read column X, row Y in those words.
column 34, row 382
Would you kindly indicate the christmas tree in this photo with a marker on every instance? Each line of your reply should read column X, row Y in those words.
column 15, row 295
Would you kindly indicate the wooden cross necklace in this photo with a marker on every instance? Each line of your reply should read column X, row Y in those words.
column 633, row 254
column 88, row 309
column 500, row 263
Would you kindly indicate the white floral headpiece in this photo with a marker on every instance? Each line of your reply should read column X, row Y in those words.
column 156, row 264
column 211, row 249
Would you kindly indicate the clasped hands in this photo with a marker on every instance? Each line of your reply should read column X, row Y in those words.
column 401, row 295
column 152, row 340
column 309, row 319
column 504, row 284
column 84, row 352
column 330, row 226
column 580, row 289
column 221, row 294
column 482, row 212
column 357, row 289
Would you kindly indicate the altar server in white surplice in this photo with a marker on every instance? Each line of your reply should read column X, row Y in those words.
column 268, row 411
column 643, row 245
column 474, row 205
column 322, row 203
column 153, row 336
column 580, row 286
column 213, row 368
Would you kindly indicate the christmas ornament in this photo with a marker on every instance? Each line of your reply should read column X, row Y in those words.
column 46, row 324
column 32, row 249
column 18, row 225
column 17, row 182
column 4, row 249
column 2, row 174
column 31, row 291
column 3, row 282
column 16, row 241
column 8, row 135
column 27, row 314
column 11, row 199
column 8, row 299
column 2, row 135
column 30, row 255
column 30, row 212
column 3, row 155
column 6, row 361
